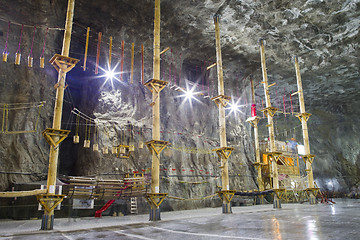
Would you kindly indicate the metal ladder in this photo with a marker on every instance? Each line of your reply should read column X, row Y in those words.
column 133, row 205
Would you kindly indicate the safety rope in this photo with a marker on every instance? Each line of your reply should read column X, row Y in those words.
column 44, row 44
column 191, row 199
column 32, row 43
column 7, row 38
column 21, row 32
column 77, row 125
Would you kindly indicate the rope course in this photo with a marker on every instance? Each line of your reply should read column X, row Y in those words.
column 6, row 107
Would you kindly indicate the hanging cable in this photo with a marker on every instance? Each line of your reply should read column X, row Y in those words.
column 30, row 57
column 5, row 53
column 42, row 57
column 18, row 51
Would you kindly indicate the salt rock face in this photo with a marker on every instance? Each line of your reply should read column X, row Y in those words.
column 324, row 35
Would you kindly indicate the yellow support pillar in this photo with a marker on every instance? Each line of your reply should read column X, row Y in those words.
column 155, row 85
column 254, row 120
column 269, row 112
column 63, row 64
column 221, row 101
column 303, row 117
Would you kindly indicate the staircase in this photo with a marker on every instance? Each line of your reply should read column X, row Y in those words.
column 133, row 205
column 99, row 212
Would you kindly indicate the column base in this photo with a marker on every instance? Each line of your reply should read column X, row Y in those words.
column 277, row 202
column 312, row 199
column 226, row 208
column 154, row 214
column 47, row 222
column 260, row 200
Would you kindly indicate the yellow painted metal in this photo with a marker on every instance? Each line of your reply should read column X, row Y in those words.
column 132, row 63
column 226, row 195
column 211, row 66
column 273, row 84
column 123, row 151
column 294, row 93
column 22, row 193
column 64, row 63
column 50, row 202
column 110, row 51
column 224, row 152
column 165, row 50
column 155, row 86
column 5, row 55
column 156, row 146
column 17, row 58
column 155, row 199
column 254, row 122
column 54, row 150
column 30, row 61
column 42, row 62
column 86, row 47
column 304, row 116
column 221, row 101
column 55, row 136
column 5, row 120
column 269, row 112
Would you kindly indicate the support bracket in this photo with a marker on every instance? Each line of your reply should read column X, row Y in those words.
column 315, row 191
column 308, row 158
column 224, row 152
column 157, row 145
column 221, row 99
column 55, row 199
column 280, row 193
column 304, row 116
column 155, row 86
column 258, row 165
column 269, row 111
column 50, row 133
column 64, row 63
column 275, row 155
column 253, row 121
column 226, row 195
column 155, row 199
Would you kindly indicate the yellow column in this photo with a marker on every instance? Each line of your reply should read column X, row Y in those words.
column 48, row 217
column 156, row 100
column 257, row 144
column 222, row 122
column 269, row 114
column 303, row 116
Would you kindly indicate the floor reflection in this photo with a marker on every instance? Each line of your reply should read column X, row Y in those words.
column 276, row 229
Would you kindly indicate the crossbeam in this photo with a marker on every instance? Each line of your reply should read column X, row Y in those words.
column 222, row 100
column 50, row 134
column 64, row 63
column 50, row 201
column 156, row 145
column 155, row 199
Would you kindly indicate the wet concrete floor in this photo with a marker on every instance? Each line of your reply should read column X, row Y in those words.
column 293, row 221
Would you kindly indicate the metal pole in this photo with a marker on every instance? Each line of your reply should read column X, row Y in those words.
column 222, row 122
column 270, row 124
column 155, row 167
column 303, row 118
column 257, row 144
column 54, row 151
